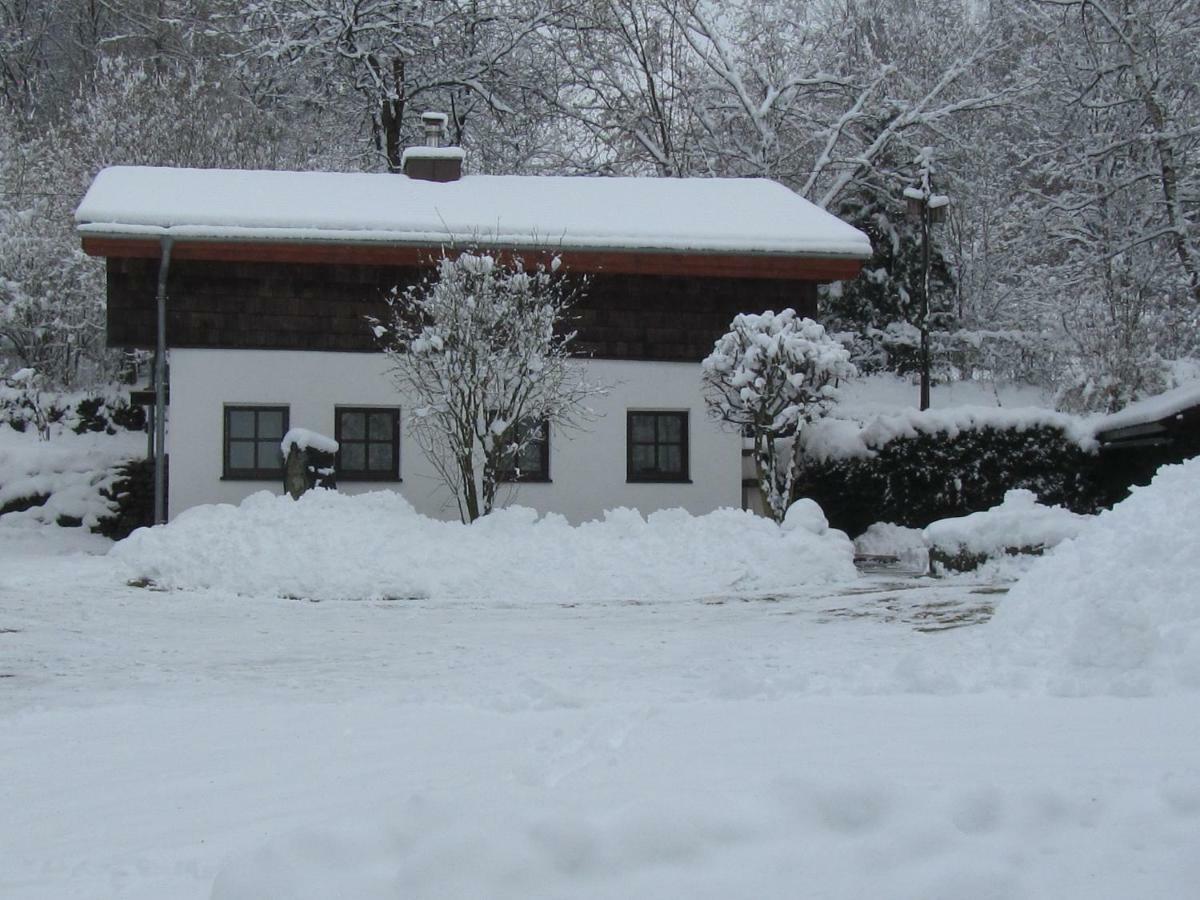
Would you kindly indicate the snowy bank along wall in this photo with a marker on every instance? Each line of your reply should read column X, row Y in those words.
column 587, row 466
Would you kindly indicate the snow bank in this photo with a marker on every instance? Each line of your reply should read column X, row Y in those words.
column 72, row 469
column 839, row 438
column 906, row 544
column 1118, row 608
column 328, row 545
column 1019, row 521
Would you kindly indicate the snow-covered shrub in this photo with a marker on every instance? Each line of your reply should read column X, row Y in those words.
column 1117, row 609
column 24, row 402
column 1018, row 525
column 25, row 405
column 481, row 347
column 130, row 498
column 67, row 480
column 770, row 376
column 915, row 468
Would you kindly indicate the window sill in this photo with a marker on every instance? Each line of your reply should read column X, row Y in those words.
column 372, row 477
column 658, row 481
column 250, row 476
column 524, row 481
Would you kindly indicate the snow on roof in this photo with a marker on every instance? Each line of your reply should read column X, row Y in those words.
column 714, row 215
column 1152, row 409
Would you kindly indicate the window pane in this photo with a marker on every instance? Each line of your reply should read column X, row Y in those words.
column 643, row 458
column 670, row 457
column 241, row 423
column 352, row 457
column 241, row 454
column 381, row 426
column 379, row 457
column 670, row 428
column 270, row 424
column 642, row 428
column 530, row 459
column 354, row 426
column 269, row 456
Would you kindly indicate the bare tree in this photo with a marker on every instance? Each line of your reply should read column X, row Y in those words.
column 481, row 351
column 453, row 54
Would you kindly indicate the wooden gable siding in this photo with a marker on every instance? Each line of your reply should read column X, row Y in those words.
column 279, row 306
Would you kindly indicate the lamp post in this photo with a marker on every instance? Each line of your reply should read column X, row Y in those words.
column 927, row 208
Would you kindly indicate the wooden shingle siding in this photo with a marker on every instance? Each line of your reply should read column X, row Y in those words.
column 287, row 306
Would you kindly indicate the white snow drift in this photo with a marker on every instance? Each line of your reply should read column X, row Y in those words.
column 329, row 546
column 1016, row 523
column 1118, row 608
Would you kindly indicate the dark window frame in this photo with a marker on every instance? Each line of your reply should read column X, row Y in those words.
column 658, row 477
column 367, row 474
column 510, row 476
column 228, row 472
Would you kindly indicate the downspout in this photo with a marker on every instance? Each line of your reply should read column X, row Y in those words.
column 160, row 388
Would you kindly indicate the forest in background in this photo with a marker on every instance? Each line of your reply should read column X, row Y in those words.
column 1065, row 133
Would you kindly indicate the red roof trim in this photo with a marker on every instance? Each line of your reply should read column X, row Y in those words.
column 722, row 265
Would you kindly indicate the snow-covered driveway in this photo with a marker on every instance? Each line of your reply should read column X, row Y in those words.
column 196, row 744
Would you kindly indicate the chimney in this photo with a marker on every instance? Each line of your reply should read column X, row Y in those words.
column 433, row 162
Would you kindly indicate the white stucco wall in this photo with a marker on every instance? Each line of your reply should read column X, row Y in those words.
column 587, row 467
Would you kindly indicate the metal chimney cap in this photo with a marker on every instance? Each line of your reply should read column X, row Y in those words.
column 435, row 127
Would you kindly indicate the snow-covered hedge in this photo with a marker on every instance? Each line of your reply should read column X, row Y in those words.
column 1117, row 609
column 1017, row 525
column 913, row 468
column 108, row 411
column 333, row 546
column 66, row 480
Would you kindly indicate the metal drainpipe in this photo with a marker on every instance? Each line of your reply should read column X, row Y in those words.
column 160, row 388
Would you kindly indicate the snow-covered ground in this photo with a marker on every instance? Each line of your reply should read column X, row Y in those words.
column 878, row 738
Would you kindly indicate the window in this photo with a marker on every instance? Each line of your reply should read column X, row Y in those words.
column 657, row 446
column 368, row 443
column 252, row 437
column 532, row 462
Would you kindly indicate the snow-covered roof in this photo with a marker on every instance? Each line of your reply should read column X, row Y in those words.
column 701, row 215
column 1152, row 409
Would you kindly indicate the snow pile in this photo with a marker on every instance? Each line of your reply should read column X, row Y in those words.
column 1118, row 608
column 332, row 546
column 839, row 438
column 70, row 470
column 738, row 836
column 906, row 544
column 1018, row 522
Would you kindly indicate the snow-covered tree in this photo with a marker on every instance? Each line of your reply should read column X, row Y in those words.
column 769, row 376
column 400, row 57
column 480, row 349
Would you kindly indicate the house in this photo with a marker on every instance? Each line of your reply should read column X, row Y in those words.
column 270, row 277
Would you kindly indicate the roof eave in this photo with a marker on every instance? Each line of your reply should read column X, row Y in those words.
column 144, row 242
